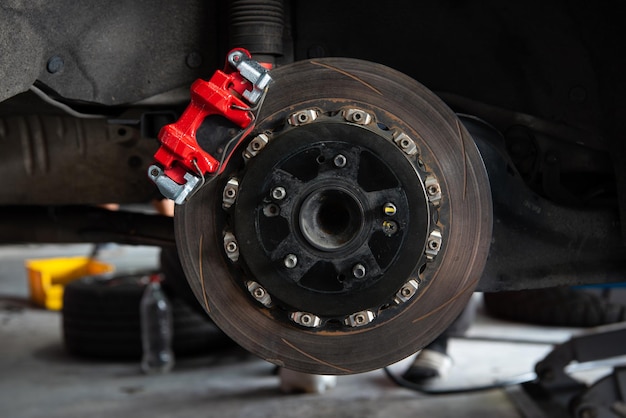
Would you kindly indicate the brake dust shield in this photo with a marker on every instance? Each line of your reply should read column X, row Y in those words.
column 349, row 230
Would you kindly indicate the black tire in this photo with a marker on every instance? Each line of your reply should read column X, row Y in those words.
column 559, row 306
column 101, row 320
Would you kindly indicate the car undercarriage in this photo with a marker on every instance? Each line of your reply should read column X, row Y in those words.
column 404, row 156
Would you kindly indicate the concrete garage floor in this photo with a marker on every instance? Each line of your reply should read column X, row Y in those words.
column 38, row 378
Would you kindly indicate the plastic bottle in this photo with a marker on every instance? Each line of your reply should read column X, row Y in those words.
column 156, row 329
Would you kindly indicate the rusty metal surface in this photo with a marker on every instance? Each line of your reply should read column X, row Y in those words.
column 51, row 159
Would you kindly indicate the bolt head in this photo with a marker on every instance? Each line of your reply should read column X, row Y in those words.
column 290, row 261
column 54, row 64
column 340, row 161
column 279, row 193
column 193, row 60
column 390, row 228
column 359, row 271
column 433, row 189
column 271, row 210
column 390, row 209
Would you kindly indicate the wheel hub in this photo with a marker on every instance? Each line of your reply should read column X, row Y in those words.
column 331, row 215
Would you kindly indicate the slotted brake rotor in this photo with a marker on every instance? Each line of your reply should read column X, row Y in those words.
column 350, row 230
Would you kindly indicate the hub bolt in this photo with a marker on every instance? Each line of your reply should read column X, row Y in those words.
column 390, row 209
column 390, row 228
column 359, row 271
column 340, row 161
column 271, row 210
column 290, row 261
column 279, row 193
column 231, row 247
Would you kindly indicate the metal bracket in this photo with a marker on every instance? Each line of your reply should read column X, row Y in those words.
column 169, row 188
column 604, row 398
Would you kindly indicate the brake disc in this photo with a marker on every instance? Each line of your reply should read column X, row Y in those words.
column 350, row 230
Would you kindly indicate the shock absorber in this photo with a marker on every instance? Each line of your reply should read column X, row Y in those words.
column 258, row 26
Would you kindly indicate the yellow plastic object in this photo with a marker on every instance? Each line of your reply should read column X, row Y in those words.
column 47, row 277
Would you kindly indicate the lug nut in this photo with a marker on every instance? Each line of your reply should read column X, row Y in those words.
column 279, row 193
column 290, row 261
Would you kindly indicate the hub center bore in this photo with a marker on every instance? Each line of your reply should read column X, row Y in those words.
column 331, row 218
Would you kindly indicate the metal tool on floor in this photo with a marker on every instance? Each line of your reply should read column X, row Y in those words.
column 606, row 398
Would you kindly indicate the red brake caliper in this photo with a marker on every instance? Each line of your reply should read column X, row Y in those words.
column 234, row 93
